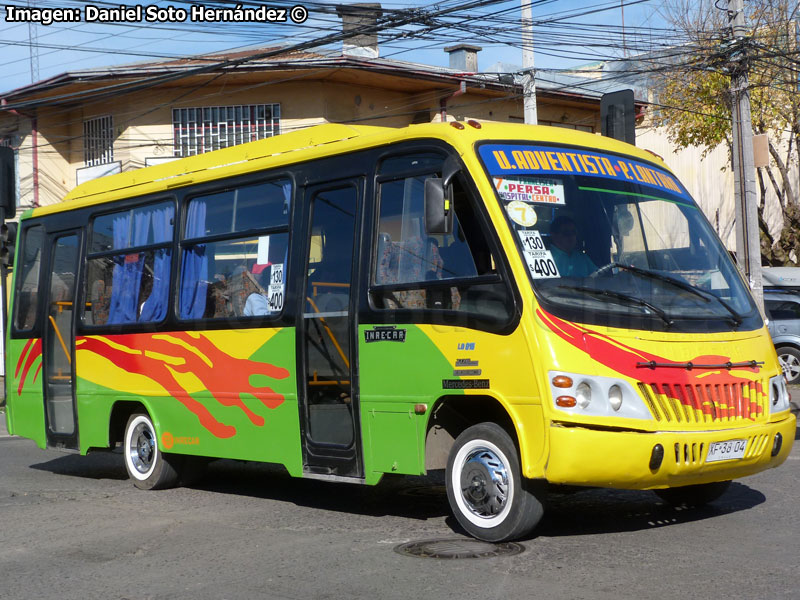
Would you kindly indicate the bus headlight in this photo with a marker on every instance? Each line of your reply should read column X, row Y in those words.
column 778, row 394
column 594, row 396
column 583, row 394
column 615, row 397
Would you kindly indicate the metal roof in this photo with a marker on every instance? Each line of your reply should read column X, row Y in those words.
column 115, row 80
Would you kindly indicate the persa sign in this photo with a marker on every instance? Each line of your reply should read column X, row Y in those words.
column 547, row 191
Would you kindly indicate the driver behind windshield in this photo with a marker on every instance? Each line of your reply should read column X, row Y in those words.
column 570, row 260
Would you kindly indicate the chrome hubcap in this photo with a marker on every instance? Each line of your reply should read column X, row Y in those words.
column 484, row 483
column 142, row 448
column 790, row 366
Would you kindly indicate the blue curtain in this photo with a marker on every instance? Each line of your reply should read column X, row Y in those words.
column 155, row 307
column 130, row 266
column 287, row 197
column 122, row 308
column 194, row 268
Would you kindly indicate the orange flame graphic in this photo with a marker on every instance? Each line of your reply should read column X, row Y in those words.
column 224, row 376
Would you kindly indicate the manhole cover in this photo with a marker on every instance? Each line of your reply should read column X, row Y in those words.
column 458, row 548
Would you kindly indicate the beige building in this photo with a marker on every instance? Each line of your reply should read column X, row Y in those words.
column 84, row 124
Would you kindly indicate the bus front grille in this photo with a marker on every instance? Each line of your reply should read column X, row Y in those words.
column 706, row 403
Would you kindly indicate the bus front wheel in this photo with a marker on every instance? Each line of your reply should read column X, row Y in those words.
column 485, row 488
column 148, row 467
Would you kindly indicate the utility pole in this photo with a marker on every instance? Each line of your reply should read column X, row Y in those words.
column 33, row 40
column 528, row 72
column 624, row 45
column 748, row 244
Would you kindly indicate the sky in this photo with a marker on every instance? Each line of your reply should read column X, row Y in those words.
column 567, row 33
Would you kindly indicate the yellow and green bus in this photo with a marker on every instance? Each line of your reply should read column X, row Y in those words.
column 521, row 307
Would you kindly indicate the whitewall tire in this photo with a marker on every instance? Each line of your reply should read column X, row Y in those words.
column 487, row 493
column 147, row 466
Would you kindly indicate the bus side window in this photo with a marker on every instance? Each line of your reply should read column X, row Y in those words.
column 25, row 305
column 128, row 266
column 413, row 269
column 234, row 252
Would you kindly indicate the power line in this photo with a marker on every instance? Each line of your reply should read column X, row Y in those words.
column 476, row 16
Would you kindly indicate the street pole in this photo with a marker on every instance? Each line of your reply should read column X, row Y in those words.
column 624, row 45
column 748, row 244
column 528, row 72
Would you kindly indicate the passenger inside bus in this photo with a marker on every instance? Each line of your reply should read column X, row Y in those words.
column 100, row 299
column 257, row 303
column 570, row 260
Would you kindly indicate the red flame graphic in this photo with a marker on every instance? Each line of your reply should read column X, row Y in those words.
column 673, row 380
column 33, row 350
column 219, row 372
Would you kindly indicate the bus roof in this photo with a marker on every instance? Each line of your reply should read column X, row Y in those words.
column 311, row 143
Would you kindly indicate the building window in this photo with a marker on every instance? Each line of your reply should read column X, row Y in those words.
column 98, row 141
column 198, row 130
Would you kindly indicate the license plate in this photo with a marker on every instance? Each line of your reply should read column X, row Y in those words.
column 726, row 450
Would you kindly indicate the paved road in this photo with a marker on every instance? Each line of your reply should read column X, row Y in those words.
column 74, row 527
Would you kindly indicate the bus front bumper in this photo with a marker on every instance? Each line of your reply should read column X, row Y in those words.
column 581, row 455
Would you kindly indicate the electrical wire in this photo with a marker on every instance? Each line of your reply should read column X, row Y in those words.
column 571, row 34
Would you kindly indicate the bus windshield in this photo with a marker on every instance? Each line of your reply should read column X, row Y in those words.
column 615, row 241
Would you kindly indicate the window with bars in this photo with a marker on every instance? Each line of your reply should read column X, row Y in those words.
column 202, row 129
column 98, row 141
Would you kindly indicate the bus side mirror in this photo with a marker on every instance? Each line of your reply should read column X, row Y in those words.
column 8, row 182
column 438, row 207
column 439, row 199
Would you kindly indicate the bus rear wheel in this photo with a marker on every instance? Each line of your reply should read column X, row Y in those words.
column 148, row 467
column 485, row 488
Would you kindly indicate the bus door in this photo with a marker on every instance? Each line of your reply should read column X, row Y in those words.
column 326, row 329
column 58, row 352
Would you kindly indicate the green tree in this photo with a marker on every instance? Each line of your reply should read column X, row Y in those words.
column 695, row 98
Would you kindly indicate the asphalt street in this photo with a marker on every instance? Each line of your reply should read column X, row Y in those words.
column 74, row 527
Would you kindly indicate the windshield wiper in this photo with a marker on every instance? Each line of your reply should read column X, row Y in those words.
column 625, row 297
column 707, row 296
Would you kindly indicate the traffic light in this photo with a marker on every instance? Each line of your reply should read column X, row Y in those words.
column 8, row 239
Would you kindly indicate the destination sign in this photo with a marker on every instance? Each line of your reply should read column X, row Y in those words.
column 502, row 160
